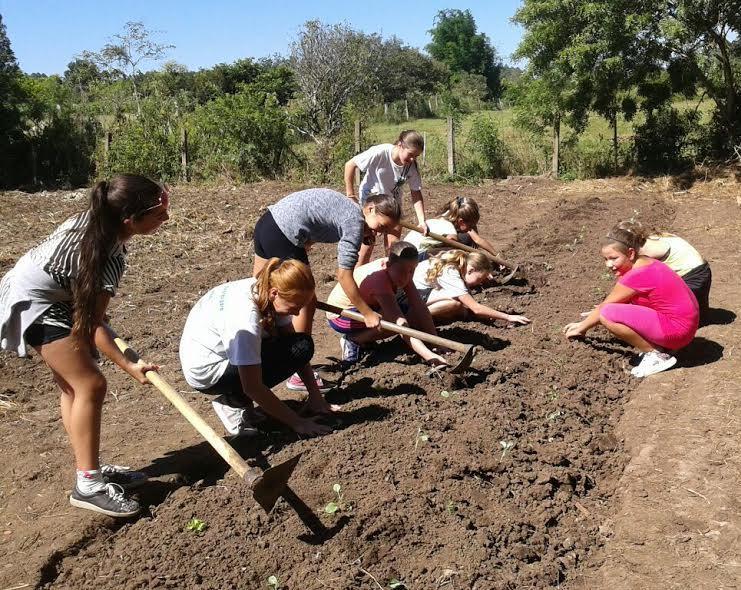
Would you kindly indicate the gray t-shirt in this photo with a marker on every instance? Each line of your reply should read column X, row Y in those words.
column 325, row 216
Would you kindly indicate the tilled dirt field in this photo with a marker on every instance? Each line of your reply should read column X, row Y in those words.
column 497, row 480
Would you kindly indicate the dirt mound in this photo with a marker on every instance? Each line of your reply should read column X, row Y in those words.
column 496, row 481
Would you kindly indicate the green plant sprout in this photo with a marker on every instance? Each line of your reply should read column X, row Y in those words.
column 196, row 525
column 395, row 584
column 507, row 446
column 451, row 507
column 273, row 582
column 553, row 415
column 339, row 503
column 421, row 437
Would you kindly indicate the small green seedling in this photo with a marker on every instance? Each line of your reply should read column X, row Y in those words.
column 422, row 437
column 273, row 582
column 553, row 415
column 395, row 584
column 339, row 502
column 507, row 446
column 445, row 393
column 196, row 525
column 451, row 507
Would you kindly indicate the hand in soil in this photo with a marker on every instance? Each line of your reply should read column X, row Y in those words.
column 518, row 319
column 574, row 330
column 437, row 361
column 308, row 427
column 319, row 407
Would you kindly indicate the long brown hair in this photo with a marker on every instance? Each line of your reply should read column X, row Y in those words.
column 292, row 278
column 464, row 208
column 111, row 202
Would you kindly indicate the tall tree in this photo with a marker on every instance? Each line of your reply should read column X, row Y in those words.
column 11, row 136
column 456, row 43
column 126, row 52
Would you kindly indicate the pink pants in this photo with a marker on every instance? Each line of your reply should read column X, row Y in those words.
column 647, row 323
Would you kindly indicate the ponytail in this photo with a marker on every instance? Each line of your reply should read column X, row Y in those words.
column 461, row 208
column 111, row 202
column 292, row 279
column 459, row 260
column 625, row 235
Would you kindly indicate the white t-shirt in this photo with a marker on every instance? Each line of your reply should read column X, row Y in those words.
column 223, row 328
column 449, row 284
column 437, row 225
column 382, row 175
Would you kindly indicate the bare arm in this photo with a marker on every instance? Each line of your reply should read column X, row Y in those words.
column 482, row 242
column 103, row 338
column 392, row 313
column 419, row 207
column 350, row 287
column 619, row 294
column 251, row 378
column 484, row 311
column 350, row 168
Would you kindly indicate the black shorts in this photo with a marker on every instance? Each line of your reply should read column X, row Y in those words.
column 270, row 242
column 40, row 334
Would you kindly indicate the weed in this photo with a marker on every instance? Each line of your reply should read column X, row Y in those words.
column 451, row 507
column 196, row 525
column 507, row 446
column 421, row 437
column 553, row 415
column 395, row 584
column 339, row 504
column 273, row 583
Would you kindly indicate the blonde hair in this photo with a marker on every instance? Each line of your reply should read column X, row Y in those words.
column 292, row 279
column 636, row 226
column 461, row 208
column 412, row 139
column 458, row 259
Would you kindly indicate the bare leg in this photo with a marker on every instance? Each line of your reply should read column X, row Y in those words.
column 447, row 309
column 82, row 403
column 258, row 265
column 628, row 335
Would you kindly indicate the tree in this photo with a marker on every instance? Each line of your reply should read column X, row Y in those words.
column 456, row 43
column 406, row 70
column 334, row 67
column 124, row 55
column 11, row 136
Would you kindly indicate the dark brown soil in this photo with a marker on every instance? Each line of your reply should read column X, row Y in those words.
column 500, row 482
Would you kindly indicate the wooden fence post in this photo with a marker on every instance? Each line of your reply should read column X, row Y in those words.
column 357, row 149
column 424, row 149
column 107, row 145
column 184, row 155
column 451, row 147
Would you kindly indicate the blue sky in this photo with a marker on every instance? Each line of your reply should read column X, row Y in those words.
column 47, row 34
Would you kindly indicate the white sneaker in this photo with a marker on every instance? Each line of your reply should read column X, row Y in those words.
column 350, row 350
column 233, row 417
column 653, row 362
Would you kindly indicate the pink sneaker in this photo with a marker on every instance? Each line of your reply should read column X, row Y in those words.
column 296, row 384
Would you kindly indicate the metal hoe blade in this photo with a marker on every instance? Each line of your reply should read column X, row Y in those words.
column 465, row 361
column 268, row 487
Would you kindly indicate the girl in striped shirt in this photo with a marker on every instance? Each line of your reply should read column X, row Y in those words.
column 55, row 298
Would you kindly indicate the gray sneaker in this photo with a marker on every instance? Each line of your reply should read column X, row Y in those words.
column 111, row 501
column 235, row 418
column 122, row 475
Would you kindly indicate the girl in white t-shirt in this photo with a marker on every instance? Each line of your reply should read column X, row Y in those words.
column 443, row 282
column 457, row 220
column 386, row 168
column 238, row 342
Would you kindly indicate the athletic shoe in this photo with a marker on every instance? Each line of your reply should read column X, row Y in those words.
column 123, row 476
column 350, row 350
column 111, row 500
column 636, row 359
column 296, row 384
column 653, row 362
column 234, row 417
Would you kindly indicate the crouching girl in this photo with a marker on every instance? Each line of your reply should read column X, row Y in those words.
column 650, row 307
column 385, row 285
column 443, row 282
column 238, row 342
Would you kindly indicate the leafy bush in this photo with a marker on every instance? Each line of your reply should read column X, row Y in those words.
column 243, row 137
column 662, row 142
column 489, row 151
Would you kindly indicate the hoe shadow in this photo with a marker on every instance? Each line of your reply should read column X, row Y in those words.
column 699, row 352
column 719, row 317
column 469, row 336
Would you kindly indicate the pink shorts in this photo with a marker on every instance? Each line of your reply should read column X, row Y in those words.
column 647, row 323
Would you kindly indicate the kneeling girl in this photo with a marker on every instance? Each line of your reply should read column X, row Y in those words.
column 238, row 342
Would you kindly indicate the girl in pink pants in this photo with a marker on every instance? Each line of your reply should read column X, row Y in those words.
column 650, row 306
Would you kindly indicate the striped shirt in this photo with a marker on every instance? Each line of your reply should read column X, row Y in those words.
column 59, row 255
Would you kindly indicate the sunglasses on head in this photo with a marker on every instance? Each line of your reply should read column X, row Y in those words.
column 164, row 199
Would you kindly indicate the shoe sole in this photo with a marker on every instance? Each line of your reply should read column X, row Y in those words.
column 87, row 506
column 303, row 388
